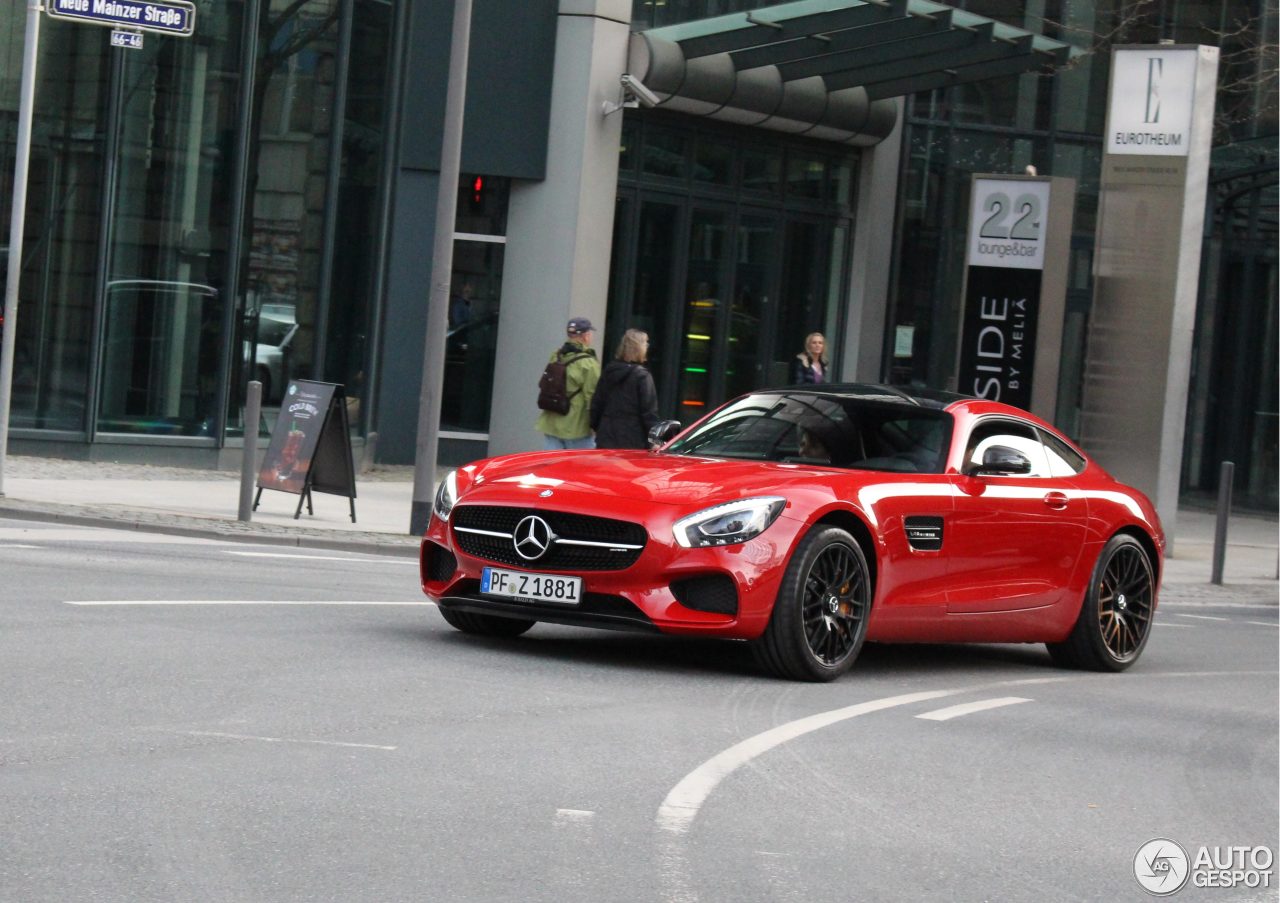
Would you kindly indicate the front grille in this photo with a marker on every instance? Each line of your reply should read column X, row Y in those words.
column 713, row 593
column 560, row 556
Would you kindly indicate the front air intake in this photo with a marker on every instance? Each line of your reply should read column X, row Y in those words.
column 714, row 593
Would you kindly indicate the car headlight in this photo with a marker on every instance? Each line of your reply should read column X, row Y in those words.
column 726, row 525
column 446, row 495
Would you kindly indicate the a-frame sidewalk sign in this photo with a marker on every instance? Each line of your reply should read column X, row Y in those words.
column 310, row 446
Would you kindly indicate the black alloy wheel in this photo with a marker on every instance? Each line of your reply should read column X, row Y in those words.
column 819, row 620
column 1115, row 620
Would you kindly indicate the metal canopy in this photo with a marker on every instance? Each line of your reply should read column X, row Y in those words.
column 830, row 68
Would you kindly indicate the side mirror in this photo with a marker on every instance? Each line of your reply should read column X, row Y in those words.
column 1003, row 461
column 663, row 432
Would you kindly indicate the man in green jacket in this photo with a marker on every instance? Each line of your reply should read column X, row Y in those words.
column 573, row 430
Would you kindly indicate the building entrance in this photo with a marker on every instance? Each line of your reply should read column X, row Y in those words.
column 730, row 275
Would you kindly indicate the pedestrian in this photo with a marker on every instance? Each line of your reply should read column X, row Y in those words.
column 625, row 406
column 571, row 374
column 811, row 366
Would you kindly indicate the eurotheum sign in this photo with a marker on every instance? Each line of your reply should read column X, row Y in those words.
column 1152, row 91
column 171, row 17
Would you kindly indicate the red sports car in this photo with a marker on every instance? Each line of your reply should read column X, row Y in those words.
column 808, row 521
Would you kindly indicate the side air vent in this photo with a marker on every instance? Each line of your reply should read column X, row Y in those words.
column 924, row 534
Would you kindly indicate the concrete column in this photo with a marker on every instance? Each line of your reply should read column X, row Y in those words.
column 560, row 230
column 862, row 345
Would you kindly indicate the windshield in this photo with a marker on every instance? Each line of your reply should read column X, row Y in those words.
column 804, row 428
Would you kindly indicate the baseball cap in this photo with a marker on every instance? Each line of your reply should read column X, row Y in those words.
column 579, row 325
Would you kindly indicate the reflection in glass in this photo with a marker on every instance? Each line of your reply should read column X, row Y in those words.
column 470, row 349
column 289, row 141
column 353, row 280
column 704, row 284
column 755, row 264
column 160, row 357
column 162, row 322
column 652, row 289
column 52, row 343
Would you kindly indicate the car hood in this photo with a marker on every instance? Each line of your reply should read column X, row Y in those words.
column 629, row 476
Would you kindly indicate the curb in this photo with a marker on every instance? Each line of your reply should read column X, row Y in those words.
column 230, row 531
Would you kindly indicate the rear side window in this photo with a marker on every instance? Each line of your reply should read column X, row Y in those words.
column 1064, row 461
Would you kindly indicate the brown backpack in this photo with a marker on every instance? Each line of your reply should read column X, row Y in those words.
column 553, row 388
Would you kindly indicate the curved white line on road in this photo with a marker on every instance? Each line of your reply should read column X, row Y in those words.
column 968, row 708
column 681, row 806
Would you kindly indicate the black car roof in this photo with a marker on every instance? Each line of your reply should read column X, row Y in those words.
column 925, row 398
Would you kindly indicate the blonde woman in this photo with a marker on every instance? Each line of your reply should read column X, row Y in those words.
column 811, row 365
column 625, row 406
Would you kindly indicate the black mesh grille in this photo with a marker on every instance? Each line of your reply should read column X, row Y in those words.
column 714, row 593
column 566, row 526
column 438, row 563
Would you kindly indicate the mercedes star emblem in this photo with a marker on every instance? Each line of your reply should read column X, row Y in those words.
column 532, row 538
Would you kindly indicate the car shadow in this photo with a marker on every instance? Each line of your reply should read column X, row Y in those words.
column 618, row 650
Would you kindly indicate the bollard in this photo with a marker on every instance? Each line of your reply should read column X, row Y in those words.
column 1225, row 478
column 249, row 464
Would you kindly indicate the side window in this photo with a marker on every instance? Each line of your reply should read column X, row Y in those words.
column 1017, row 436
column 1064, row 461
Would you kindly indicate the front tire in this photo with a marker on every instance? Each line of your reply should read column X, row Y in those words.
column 484, row 625
column 1115, row 619
column 819, row 619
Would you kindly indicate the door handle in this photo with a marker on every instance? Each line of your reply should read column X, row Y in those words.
column 1055, row 500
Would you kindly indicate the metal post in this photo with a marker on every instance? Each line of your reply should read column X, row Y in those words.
column 424, row 462
column 1225, row 478
column 26, row 106
column 249, row 464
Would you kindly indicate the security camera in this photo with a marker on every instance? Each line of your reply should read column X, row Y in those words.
column 636, row 88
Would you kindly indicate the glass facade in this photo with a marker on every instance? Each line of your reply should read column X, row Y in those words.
column 729, row 248
column 198, row 216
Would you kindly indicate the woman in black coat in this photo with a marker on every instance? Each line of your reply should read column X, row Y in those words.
column 811, row 365
column 625, row 405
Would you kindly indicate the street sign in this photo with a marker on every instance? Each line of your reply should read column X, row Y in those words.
column 171, row 17
column 129, row 39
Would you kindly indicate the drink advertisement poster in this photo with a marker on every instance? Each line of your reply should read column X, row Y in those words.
column 296, row 436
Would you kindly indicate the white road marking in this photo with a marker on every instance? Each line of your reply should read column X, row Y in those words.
column 100, row 535
column 1263, row 623
column 1163, row 624
column 969, row 708
column 239, row 602
column 681, row 806
column 285, row 740
column 1202, row 617
column 16, row 545
column 574, row 814
column 368, row 560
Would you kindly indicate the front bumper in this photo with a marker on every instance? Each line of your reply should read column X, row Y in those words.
column 727, row 591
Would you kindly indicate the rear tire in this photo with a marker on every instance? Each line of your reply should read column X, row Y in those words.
column 819, row 619
column 485, row 625
column 1115, row 619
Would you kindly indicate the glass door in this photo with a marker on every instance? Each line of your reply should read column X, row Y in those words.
column 708, row 277
column 755, row 275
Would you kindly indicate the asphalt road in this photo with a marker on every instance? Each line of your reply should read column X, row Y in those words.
column 171, row 730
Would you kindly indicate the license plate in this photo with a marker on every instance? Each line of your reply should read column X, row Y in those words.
column 531, row 587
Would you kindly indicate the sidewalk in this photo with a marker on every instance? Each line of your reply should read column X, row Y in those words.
column 206, row 503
